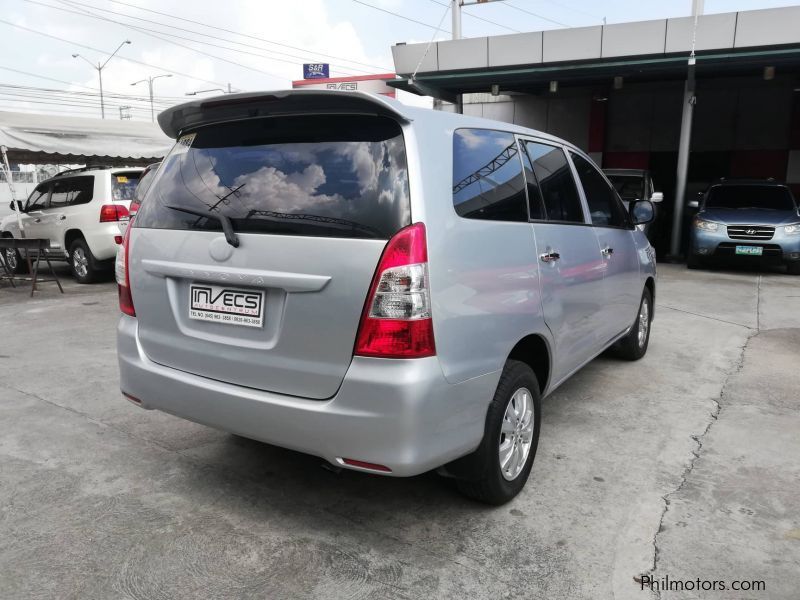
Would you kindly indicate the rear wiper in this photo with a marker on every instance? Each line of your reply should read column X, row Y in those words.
column 227, row 226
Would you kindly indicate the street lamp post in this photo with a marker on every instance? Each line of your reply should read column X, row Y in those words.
column 100, row 68
column 150, row 81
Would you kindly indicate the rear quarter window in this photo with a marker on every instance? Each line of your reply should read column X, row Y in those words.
column 487, row 176
column 313, row 175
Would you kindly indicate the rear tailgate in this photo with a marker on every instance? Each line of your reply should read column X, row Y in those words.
column 313, row 200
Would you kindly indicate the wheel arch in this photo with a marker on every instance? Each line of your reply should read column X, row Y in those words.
column 534, row 351
column 650, row 284
column 70, row 236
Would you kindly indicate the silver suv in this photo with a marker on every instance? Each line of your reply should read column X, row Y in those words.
column 390, row 288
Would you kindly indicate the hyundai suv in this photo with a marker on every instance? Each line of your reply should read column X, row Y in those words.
column 80, row 212
column 390, row 288
column 746, row 220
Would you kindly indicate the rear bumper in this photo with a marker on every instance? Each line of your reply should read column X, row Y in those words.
column 399, row 413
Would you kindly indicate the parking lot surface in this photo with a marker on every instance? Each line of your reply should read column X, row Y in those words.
column 683, row 465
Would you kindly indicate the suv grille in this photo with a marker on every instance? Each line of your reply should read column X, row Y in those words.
column 750, row 232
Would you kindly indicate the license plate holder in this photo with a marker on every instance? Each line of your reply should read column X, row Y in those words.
column 749, row 250
column 226, row 305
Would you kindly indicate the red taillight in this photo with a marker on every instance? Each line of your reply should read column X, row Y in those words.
column 123, row 276
column 134, row 208
column 113, row 212
column 396, row 322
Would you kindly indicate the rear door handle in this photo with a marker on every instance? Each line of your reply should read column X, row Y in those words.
column 37, row 220
column 62, row 217
column 607, row 252
column 549, row 257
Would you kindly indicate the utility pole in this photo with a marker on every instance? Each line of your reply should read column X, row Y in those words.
column 100, row 68
column 685, row 141
column 149, row 82
column 455, row 10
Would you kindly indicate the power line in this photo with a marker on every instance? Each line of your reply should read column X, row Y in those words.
column 132, row 60
column 388, row 12
column 83, row 12
column 127, row 97
column 474, row 16
column 538, row 16
column 578, row 10
column 207, row 35
column 245, row 35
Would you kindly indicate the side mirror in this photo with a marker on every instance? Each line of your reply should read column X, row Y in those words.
column 693, row 204
column 13, row 205
column 642, row 212
column 657, row 197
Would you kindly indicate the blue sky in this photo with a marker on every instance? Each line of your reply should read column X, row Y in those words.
column 278, row 35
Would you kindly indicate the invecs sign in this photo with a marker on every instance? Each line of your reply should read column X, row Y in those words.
column 373, row 84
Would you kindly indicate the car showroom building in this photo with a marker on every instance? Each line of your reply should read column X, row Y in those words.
column 618, row 91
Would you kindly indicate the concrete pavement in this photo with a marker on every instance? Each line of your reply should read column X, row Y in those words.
column 682, row 465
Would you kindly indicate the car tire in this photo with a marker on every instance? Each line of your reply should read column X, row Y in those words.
column 82, row 262
column 793, row 268
column 511, row 435
column 14, row 261
column 634, row 345
column 694, row 262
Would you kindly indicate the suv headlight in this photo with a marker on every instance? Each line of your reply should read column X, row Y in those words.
column 794, row 228
column 706, row 225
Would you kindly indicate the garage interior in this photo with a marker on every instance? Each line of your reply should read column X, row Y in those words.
column 617, row 92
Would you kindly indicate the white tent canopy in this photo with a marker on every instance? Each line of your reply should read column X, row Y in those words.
column 52, row 139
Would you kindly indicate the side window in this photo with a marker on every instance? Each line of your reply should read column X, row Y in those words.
column 71, row 191
column 557, row 187
column 487, row 176
column 38, row 199
column 82, row 190
column 604, row 207
column 535, row 204
column 62, row 190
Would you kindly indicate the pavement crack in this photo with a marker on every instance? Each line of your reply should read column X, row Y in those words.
column 90, row 419
column 688, row 312
column 698, row 439
column 758, row 303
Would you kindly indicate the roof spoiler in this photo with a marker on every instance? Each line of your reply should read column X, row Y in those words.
column 232, row 107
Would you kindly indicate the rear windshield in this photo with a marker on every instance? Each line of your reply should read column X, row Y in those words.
column 315, row 175
column 750, row 196
column 629, row 187
column 123, row 184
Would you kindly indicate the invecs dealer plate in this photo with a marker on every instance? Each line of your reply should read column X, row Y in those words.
column 229, row 306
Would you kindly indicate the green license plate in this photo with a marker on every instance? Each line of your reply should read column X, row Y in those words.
column 750, row 250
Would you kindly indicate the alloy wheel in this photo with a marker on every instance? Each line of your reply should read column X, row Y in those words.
column 516, row 434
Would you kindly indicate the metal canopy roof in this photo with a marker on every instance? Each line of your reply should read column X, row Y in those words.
column 726, row 44
column 535, row 78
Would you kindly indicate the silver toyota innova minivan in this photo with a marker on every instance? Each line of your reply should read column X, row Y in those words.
column 390, row 288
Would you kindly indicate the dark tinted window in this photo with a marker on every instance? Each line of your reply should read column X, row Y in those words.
column 72, row 190
column 38, row 199
column 487, row 176
column 604, row 207
column 560, row 196
column 123, row 184
column 750, row 196
column 145, row 182
column 342, row 176
column 629, row 187
column 535, row 204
